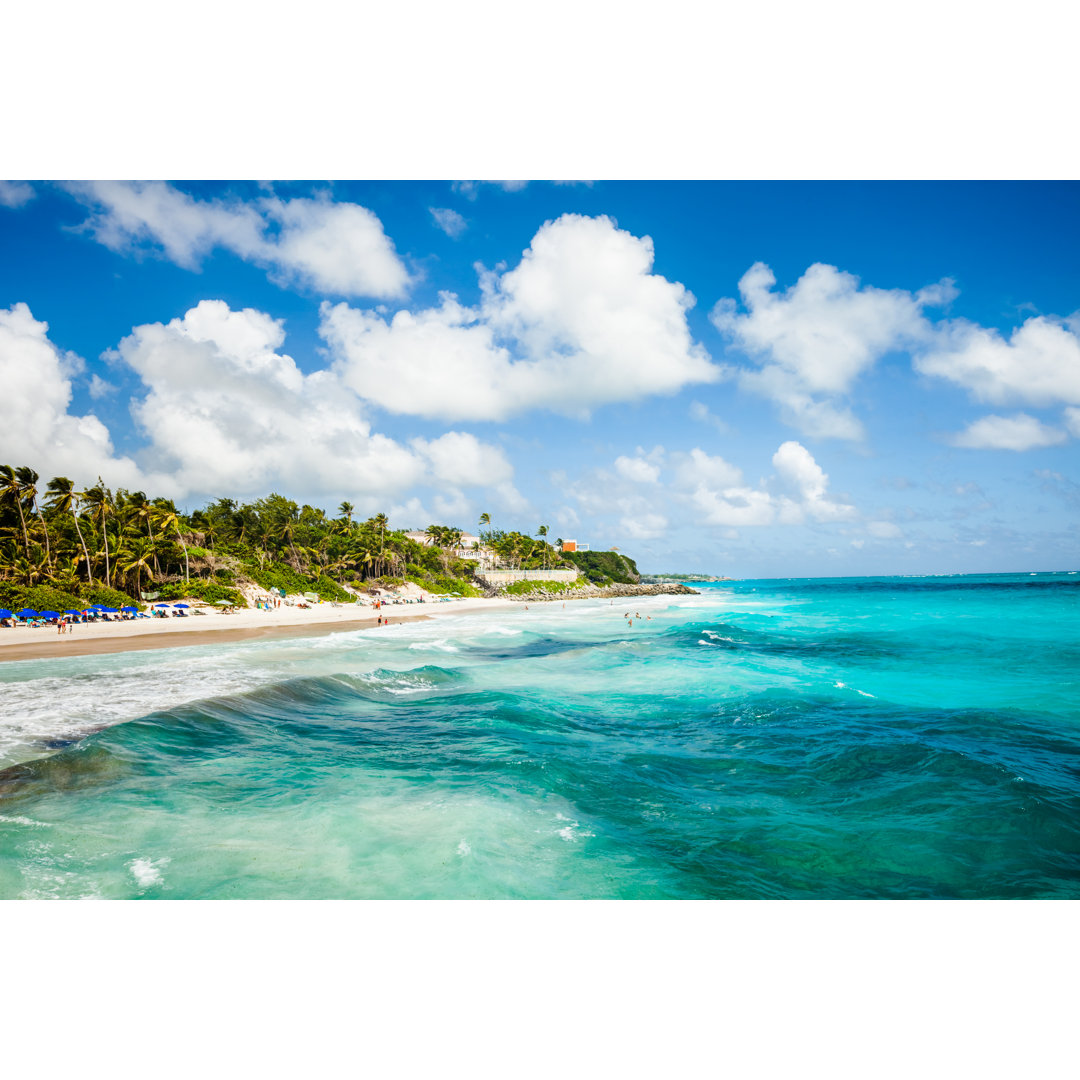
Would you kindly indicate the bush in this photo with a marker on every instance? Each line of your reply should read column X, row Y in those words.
column 440, row 583
column 279, row 576
column 39, row 597
column 100, row 594
column 603, row 567
column 210, row 591
column 525, row 588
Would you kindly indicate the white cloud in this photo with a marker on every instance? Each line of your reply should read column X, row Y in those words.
column 647, row 525
column 15, row 193
column 797, row 491
column 806, row 484
column 38, row 430
column 471, row 188
column 461, row 459
column 224, row 411
column 330, row 247
column 884, row 530
column 1072, row 420
column 580, row 322
column 641, row 469
column 99, row 388
column 701, row 412
column 450, row 221
column 1038, row 365
column 697, row 467
column 333, row 247
column 1019, row 432
column 227, row 412
column 815, row 339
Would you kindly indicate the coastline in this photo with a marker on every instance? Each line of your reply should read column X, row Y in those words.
column 251, row 624
column 24, row 643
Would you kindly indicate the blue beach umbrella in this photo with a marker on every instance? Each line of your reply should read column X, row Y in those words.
column 161, row 603
column 49, row 614
column 27, row 613
column 181, row 605
column 110, row 610
column 70, row 612
column 4, row 613
column 129, row 608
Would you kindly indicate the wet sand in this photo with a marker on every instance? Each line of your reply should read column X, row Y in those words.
column 24, row 643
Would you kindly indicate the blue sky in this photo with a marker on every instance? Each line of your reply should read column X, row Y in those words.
column 753, row 379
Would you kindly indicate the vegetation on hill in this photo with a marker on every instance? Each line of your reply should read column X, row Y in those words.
column 117, row 547
column 605, row 567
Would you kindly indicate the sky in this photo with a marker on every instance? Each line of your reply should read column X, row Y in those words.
column 751, row 379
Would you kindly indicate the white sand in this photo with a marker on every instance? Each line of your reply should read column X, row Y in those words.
column 27, row 643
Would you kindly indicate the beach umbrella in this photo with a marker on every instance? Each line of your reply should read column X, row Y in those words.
column 49, row 614
column 181, row 605
column 27, row 613
column 70, row 612
column 129, row 608
column 4, row 613
column 224, row 603
column 108, row 610
column 161, row 603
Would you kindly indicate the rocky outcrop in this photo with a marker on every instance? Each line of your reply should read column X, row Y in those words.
column 588, row 591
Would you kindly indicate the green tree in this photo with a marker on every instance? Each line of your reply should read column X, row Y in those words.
column 28, row 479
column 11, row 493
column 167, row 518
column 99, row 502
column 64, row 499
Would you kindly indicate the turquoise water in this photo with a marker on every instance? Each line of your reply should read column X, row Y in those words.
column 858, row 738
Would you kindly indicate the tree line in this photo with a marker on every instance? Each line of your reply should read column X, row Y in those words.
column 80, row 538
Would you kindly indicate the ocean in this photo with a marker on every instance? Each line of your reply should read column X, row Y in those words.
column 895, row 737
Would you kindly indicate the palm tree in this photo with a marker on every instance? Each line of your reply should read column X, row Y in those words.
column 167, row 518
column 11, row 492
column 28, row 484
column 143, row 511
column 542, row 533
column 99, row 500
column 345, row 510
column 64, row 499
column 136, row 558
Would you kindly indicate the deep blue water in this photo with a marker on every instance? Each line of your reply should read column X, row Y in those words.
column 847, row 738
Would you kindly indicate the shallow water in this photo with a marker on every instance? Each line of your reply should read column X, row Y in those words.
column 893, row 737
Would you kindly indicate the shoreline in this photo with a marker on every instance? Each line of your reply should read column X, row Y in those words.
column 246, row 625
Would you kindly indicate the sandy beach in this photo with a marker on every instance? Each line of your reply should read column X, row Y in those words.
column 27, row 643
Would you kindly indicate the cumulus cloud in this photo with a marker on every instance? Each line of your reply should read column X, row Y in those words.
column 1038, row 365
column 1019, row 432
column 579, row 322
column 797, row 491
column 642, row 468
column 15, row 193
column 224, row 411
column 328, row 246
column 450, row 221
column 38, row 430
column 814, row 340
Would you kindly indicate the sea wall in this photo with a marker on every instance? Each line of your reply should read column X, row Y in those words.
column 508, row 577
column 588, row 591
